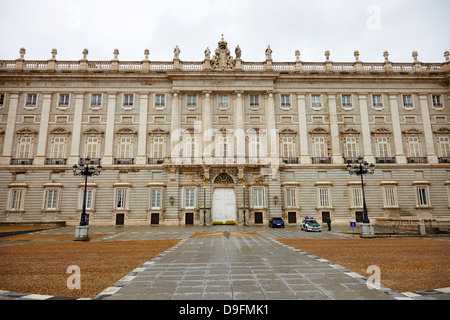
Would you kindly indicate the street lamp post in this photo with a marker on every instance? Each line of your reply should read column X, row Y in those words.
column 82, row 231
column 361, row 169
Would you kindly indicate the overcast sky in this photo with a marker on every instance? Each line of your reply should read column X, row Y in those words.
column 340, row 26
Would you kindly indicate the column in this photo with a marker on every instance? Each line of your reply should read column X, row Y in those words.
column 336, row 156
column 141, row 157
column 207, row 117
column 302, row 129
column 429, row 144
column 398, row 142
column 270, row 125
column 175, row 130
column 43, row 130
column 239, row 128
column 109, row 134
column 10, row 129
column 365, row 129
column 76, row 130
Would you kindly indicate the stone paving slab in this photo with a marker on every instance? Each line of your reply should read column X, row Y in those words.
column 234, row 267
column 242, row 268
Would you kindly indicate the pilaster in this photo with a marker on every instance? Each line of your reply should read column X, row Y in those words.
column 398, row 142
column 10, row 129
column 43, row 130
column 141, row 157
column 76, row 130
column 175, row 125
column 365, row 129
column 429, row 144
column 302, row 129
column 109, row 134
column 336, row 156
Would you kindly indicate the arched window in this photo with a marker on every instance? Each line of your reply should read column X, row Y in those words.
column 224, row 179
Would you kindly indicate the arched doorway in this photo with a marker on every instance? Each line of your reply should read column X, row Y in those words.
column 224, row 200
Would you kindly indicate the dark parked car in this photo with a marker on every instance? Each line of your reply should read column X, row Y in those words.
column 276, row 222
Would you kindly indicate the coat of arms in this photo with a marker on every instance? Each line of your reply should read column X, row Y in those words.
column 222, row 60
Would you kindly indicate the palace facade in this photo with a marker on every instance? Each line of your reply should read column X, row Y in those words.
column 224, row 141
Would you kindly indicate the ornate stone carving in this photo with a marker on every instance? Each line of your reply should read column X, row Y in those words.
column 222, row 60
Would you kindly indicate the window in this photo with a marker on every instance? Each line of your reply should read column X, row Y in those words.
column 92, row 147
column 223, row 101
column 323, row 194
column 346, row 101
column 128, row 100
column 125, row 147
column 223, row 147
column 444, row 146
column 383, row 147
column 96, row 100
column 259, row 196
column 158, row 147
column 319, row 147
column 24, row 150
column 31, row 100
column 390, row 196
column 120, row 198
column 255, row 146
column 254, row 101
column 407, row 102
column 189, row 198
column 16, row 199
column 59, row 144
column 190, row 146
column 422, row 196
column 51, row 199
column 376, row 100
column 191, row 100
column 351, row 147
column 155, row 198
column 437, row 102
column 64, row 100
column 291, row 197
column 315, row 101
column 414, row 146
column 2, row 99
column 357, row 198
column 288, row 147
column 89, row 199
column 160, row 101
column 285, row 100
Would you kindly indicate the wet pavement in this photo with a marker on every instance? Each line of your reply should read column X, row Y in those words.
column 236, row 263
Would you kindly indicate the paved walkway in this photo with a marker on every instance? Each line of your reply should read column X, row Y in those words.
column 237, row 263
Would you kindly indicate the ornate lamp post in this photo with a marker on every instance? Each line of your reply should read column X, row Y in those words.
column 361, row 169
column 82, row 231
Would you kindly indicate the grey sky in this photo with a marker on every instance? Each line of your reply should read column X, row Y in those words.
column 340, row 26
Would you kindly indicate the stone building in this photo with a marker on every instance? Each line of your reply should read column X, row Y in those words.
column 223, row 141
